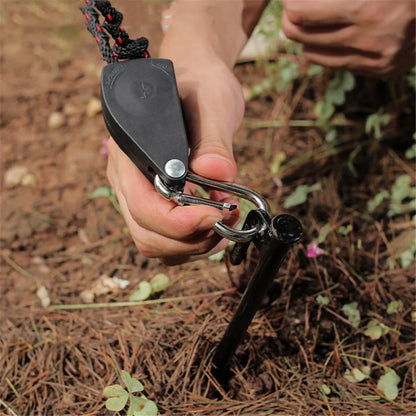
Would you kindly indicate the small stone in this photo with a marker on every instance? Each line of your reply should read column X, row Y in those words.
column 37, row 260
column 28, row 180
column 44, row 269
column 70, row 109
column 40, row 262
column 56, row 120
column 14, row 175
column 93, row 107
column 43, row 295
column 87, row 296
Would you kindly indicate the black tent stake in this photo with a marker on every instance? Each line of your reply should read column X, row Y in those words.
column 284, row 231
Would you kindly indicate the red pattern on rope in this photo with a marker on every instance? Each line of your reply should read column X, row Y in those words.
column 124, row 47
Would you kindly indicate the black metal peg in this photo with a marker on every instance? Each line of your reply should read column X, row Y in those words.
column 281, row 233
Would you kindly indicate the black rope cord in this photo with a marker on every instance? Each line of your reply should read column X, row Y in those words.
column 124, row 47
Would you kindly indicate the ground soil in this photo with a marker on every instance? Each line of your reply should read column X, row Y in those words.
column 57, row 361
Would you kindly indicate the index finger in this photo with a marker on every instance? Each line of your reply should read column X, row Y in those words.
column 149, row 209
column 315, row 13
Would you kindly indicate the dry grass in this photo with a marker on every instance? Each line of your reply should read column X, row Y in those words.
column 57, row 362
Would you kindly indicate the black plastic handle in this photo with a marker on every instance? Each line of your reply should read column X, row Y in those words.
column 142, row 111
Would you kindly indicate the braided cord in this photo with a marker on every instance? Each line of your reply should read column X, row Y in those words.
column 124, row 47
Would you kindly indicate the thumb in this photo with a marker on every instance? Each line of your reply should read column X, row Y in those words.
column 213, row 111
column 212, row 119
column 212, row 158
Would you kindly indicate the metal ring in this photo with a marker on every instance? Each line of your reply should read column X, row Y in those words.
column 162, row 188
column 240, row 236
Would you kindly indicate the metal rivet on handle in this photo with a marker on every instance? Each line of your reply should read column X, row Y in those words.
column 175, row 168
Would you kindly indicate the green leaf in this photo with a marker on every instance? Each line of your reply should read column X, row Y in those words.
column 348, row 80
column 335, row 96
column 287, row 72
column 114, row 390
column 374, row 123
column 300, row 195
column 411, row 152
column 118, row 397
column 407, row 257
column 395, row 306
column 136, row 405
column 324, row 389
column 245, row 207
column 143, row 291
column 278, row 158
column 149, row 409
column 217, row 256
column 342, row 82
column 345, row 230
column 324, row 110
column 375, row 329
column 159, row 282
column 377, row 200
column 323, row 234
column 388, row 383
column 133, row 385
column 314, row 70
column 323, row 300
column 357, row 375
column 352, row 313
column 401, row 207
column 401, row 188
column 331, row 136
column 105, row 191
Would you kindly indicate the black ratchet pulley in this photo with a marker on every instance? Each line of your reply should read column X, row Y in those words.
column 143, row 114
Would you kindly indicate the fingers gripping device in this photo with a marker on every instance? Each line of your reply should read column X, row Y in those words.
column 142, row 111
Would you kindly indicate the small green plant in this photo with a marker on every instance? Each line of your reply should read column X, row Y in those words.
column 357, row 375
column 145, row 289
column 388, row 384
column 335, row 95
column 352, row 313
column 375, row 122
column 322, row 300
column 324, row 390
column 402, row 198
column 118, row 397
column 300, row 195
column 107, row 192
column 376, row 329
column 406, row 257
column 279, row 76
column 342, row 83
column 394, row 307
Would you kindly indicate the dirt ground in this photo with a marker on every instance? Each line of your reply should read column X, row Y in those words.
column 55, row 361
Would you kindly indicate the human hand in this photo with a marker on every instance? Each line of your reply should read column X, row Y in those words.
column 364, row 36
column 213, row 107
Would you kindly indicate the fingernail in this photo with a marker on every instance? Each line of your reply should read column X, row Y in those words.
column 208, row 222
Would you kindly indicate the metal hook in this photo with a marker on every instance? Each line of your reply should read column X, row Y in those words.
column 240, row 236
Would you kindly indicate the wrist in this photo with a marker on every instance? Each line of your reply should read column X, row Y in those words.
column 209, row 29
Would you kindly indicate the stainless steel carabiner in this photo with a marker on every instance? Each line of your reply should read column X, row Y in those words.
column 240, row 236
